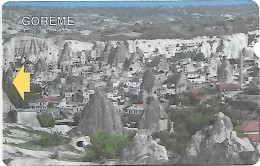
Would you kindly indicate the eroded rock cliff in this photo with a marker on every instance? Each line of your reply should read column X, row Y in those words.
column 144, row 150
column 218, row 144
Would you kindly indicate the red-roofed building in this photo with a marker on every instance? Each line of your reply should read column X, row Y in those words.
column 254, row 137
column 110, row 89
column 251, row 129
column 42, row 103
column 201, row 99
column 142, row 106
column 196, row 90
column 229, row 87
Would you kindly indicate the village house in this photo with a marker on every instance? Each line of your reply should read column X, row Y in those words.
column 195, row 77
column 48, row 76
column 192, row 86
column 113, row 83
column 86, row 95
column 54, row 94
column 201, row 99
column 100, row 84
column 111, row 92
column 251, row 129
column 63, row 105
column 120, row 108
column 69, row 95
column 43, row 103
column 114, row 102
column 136, row 109
column 229, row 90
column 229, row 87
column 162, row 92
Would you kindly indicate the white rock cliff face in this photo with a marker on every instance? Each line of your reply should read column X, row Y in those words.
column 219, row 144
column 30, row 48
column 234, row 44
column 143, row 150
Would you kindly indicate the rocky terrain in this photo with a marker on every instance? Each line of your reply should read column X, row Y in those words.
column 99, row 114
column 219, row 144
column 20, row 149
column 144, row 150
column 154, row 117
column 33, row 49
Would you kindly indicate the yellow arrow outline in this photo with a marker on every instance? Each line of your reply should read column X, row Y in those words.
column 22, row 82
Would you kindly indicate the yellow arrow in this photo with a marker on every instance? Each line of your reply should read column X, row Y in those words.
column 22, row 82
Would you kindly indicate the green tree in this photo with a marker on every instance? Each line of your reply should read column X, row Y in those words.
column 50, row 105
column 46, row 120
column 77, row 117
column 105, row 145
column 251, row 89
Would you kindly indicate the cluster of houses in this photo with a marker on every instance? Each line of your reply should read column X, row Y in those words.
column 69, row 83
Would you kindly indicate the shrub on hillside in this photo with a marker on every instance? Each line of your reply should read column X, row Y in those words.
column 105, row 145
column 50, row 140
column 46, row 120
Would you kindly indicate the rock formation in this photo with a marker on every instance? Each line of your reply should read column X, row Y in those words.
column 205, row 49
column 218, row 144
column 135, row 63
column 233, row 44
column 118, row 55
column 160, row 63
column 154, row 117
column 30, row 49
column 8, row 108
column 99, row 114
column 28, row 118
column 247, row 53
column 148, row 81
column 65, row 54
column 223, row 71
column 143, row 150
column 40, row 66
column 147, row 85
column 181, row 83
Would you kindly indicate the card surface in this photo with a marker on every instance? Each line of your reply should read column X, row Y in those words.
column 130, row 83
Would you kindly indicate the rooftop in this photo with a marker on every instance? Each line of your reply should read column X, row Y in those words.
column 252, row 126
column 254, row 137
column 49, row 99
column 229, row 86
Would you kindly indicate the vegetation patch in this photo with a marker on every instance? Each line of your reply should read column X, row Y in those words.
column 188, row 121
column 46, row 120
column 47, row 140
column 105, row 145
